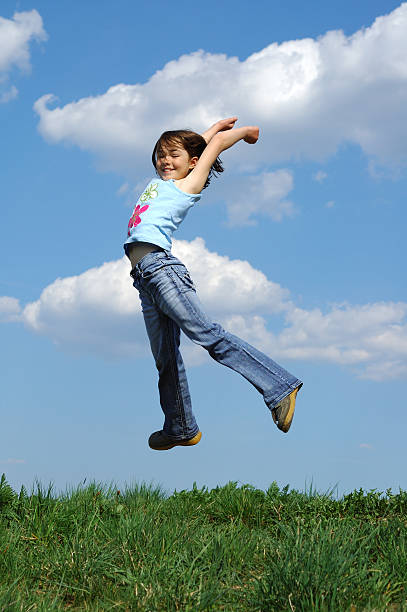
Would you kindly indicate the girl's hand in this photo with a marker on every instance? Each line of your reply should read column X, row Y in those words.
column 219, row 126
column 225, row 124
column 252, row 135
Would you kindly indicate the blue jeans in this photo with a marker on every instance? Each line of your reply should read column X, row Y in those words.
column 170, row 304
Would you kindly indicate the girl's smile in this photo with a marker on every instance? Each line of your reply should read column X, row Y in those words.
column 174, row 163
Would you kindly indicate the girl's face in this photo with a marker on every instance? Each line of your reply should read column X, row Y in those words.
column 174, row 162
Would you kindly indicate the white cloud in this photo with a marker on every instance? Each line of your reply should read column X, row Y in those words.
column 226, row 285
column 263, row 194
column 390, row 369
column 9, row 309
column 99, row 311
column 13, row 461
column 371, row 337
column 330, row 204
column 16, row 34
column 96, row 311
column 308, row 96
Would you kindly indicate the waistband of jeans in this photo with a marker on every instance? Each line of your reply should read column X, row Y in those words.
column 149, row 259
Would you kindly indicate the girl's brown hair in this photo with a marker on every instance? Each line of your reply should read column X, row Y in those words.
column 193, row 143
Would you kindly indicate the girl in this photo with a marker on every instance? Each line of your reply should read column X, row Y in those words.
column 185, row 162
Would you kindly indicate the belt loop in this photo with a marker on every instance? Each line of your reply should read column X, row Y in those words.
column 139, row 270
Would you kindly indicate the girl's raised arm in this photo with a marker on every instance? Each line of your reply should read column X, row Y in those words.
column 194, row 182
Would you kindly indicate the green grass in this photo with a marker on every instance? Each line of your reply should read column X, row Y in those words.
column 231, row 548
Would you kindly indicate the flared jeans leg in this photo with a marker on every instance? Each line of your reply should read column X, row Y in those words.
column 175, row 399
column 170, row 304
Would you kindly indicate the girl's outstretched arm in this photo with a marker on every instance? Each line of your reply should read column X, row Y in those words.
column 194, row 182
column 219, row 126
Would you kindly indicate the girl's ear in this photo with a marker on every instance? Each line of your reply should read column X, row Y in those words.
column 193, row 162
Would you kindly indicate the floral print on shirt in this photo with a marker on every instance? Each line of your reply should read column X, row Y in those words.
column 149, row 194
column 135, row 218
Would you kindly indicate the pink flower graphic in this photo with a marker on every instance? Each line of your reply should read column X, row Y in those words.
column 135, row 218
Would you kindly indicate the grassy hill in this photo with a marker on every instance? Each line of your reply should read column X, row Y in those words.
column 231, row 548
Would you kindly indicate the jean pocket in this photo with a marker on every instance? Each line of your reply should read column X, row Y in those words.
column 183, row 275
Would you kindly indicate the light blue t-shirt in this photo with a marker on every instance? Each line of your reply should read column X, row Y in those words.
column 158, row 212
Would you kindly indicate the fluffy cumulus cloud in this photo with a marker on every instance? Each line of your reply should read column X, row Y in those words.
column 309, row 96
column 226, row 285
column 371, row 337
column 99, row 311
column 16, row 34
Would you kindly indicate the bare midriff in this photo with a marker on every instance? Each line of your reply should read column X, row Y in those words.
column 137, row 250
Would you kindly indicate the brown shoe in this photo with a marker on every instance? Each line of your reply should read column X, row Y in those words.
column 160, row 441
column 283, row 413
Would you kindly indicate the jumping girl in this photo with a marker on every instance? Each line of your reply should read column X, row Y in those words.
column 184, row 162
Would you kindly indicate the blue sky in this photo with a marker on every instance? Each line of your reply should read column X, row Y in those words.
column 299, row 247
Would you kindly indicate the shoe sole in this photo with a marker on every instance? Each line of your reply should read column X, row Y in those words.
column 286, row 424
column 190, row 442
